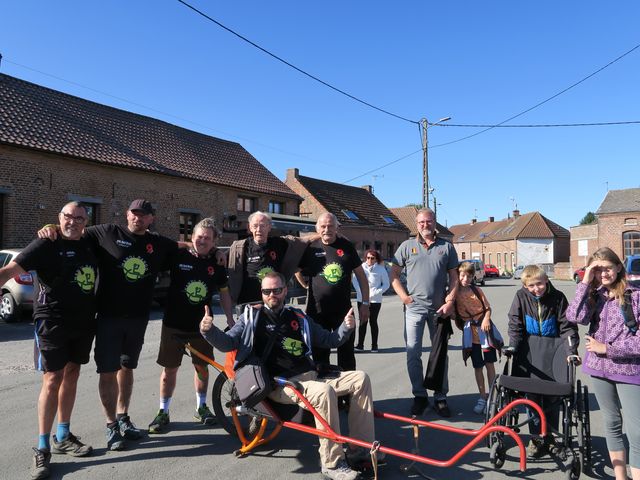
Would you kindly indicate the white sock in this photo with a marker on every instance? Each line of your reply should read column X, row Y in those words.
column 201, row 399
column 164, row 404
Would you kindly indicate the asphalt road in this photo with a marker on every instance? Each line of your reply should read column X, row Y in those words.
column 193, row 451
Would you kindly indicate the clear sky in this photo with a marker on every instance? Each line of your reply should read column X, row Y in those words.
column 477, row 62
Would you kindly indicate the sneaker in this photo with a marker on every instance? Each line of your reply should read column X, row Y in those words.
column 536, row 448
column 359, row 348
column 481, row 406
column 360, row 455
column 204, row 416
column 442, row 408
column 374, row 349
column 420, row 404
column 158, row 424
column 71, row 446
column 41, row 462
column 128, row 429
column 342, row 471
column 115, row 441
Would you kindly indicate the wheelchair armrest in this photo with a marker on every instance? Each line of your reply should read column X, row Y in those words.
column 575, row 360
column 509, row 351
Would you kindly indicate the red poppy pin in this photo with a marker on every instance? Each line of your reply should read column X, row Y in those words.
column 272, row 254
column 149, row 248
column 210, row 270
column 340, row 252
column 295, row 325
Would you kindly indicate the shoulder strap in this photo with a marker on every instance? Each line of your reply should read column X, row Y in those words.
column 476, row 292
column 627, row 313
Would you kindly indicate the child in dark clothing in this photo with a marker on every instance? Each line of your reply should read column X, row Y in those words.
column 537, row 328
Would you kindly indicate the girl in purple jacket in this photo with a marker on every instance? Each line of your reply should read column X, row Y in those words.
column 611, row 308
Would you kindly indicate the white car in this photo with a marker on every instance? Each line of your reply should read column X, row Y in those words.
column 517, row 273
column 17, row 293
column 478, row 265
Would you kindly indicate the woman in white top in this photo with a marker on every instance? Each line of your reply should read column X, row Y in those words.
column 378, row 279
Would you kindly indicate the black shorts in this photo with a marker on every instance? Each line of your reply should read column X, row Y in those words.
column 172, row 349
column 119, row 342
column 51, row 352
column 479, row 357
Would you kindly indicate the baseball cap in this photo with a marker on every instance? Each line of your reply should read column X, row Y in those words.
column 141, row 204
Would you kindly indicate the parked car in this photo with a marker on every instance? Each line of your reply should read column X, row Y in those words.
column 491, row 270
column 17, row 293
column 478, row 276
column 632, row 266
column 517, row 272
column 578, row 275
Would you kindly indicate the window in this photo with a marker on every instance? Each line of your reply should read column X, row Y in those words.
column 365, row 246
column 92, row 213
column 388, row 219
column 390, row 250
column 464, row 255
column 631, row 243
column 631, row 221
column 350, row 215
column 246, row 204
column 505, row 261
column 187, row 222
column 1, row 218
column 497, row 260
column 377, row 246
column 489, row 259
column 276, row 207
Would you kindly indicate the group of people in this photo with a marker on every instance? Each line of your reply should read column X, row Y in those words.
column 98, row 281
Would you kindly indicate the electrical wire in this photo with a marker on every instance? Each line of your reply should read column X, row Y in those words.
column 291, row 65
column 547, row 125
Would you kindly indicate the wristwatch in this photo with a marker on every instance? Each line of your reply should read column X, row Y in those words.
column 365, row 303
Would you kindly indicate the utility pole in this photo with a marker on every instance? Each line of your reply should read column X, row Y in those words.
column 425, row 158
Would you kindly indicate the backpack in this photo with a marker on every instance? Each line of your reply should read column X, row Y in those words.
column 627, row 312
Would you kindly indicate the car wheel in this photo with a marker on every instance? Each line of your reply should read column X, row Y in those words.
column 9, row 309
column 576, row 279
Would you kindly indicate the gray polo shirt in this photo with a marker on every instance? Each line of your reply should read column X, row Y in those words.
column 427, row 271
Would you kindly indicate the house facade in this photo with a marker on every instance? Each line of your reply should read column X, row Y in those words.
column 55, row 148
column 407, row 215
column 364, row 219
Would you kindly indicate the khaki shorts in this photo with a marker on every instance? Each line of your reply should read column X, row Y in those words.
column 172, row 349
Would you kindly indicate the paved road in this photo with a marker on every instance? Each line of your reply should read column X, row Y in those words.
column 192, row 451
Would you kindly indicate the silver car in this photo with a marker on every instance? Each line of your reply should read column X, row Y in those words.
column 17, row 293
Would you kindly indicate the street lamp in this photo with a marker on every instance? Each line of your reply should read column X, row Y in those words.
column 425, row 157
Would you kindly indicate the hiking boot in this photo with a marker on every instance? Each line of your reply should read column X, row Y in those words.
column 481, row 406
column 115, row 441
column 158, row 424
column 128, row 429
column 536, row 448
column 41, row 462
column 342, row 471
column 204, row 416
column 420, row 404
column 442, row 408
column 71, row 446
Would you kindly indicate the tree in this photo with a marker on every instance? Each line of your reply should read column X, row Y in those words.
column 588, row 219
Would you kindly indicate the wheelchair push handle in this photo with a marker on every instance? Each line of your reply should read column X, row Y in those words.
column 284, row 382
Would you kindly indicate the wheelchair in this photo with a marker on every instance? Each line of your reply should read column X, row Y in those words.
column 554, row 379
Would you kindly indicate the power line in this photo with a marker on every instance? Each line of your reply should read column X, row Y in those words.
column 291, row 65
column 545, row 125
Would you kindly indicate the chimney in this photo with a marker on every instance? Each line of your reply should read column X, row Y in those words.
column 368, row 188
column 473, row 221
column 516, row 213
column 292, row 173
column 491, row 219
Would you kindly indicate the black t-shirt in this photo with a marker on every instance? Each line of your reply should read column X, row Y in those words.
column 66, row 279
column 288, row 355
column 330, row 268
column 128, row 265
column 260, row 260
column 193, row 281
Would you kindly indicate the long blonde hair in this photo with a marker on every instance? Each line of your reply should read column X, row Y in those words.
column 619, row 286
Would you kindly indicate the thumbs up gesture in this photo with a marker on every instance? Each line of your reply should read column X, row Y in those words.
column 350, row 320
column 207, row 320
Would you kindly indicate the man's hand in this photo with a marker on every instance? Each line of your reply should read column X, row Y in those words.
column 447, row 309
column 221, row 258
column 207, row 321
column 49, row 232
column 350, row 320
column 363, row 312
column 408, row 299
column 230, row 321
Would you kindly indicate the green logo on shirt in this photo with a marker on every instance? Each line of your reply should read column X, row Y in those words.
column 263, row 272
column 293, row 347
column 85, row 278
column 134, row 268
column 196, row 291
column 332, row 273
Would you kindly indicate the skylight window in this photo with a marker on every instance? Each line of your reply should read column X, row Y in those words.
column 350, row 215
column 388, row 219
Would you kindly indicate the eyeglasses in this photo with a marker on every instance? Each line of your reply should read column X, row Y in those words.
column 268, row 291
column 68, row 217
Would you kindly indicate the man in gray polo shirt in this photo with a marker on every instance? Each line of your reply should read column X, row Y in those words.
column 431, row 264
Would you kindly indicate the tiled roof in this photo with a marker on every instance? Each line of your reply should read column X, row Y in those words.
column 407, row 215
column 338, row 198
column 620, row 201
column 39, row 118
column 529, row 225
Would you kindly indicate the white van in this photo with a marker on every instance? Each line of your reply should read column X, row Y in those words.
column 478, row 265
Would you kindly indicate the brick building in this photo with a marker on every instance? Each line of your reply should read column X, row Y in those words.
column 617, row 227
column 407, row 215
column 518, row 240
column 363, row 218
column 55, row 148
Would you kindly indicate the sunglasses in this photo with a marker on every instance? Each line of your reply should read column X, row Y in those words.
column 268, row 291
column 371, row 258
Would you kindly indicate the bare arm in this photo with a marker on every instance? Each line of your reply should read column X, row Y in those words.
column 9, row 271
column 448, row 308
column 301, row 280
column 364, row 289
column 227, row 306
column 49, row 231
column 397, row 285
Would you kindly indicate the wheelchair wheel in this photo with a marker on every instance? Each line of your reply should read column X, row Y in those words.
column 493, row 407
column 573, row 470
column 497, row 454
column 223, row 398
column 583, row 427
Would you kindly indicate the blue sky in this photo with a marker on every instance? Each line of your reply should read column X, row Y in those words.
column 477, row 62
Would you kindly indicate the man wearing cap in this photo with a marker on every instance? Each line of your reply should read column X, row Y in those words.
column 129, row 259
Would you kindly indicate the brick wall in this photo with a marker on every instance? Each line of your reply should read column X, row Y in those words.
column 37, row 185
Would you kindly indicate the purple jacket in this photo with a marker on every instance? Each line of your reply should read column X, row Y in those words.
column 622, row 360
